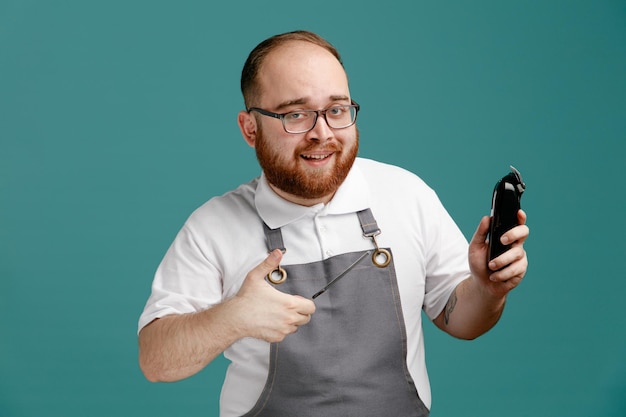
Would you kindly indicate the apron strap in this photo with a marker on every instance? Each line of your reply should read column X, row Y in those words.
column 366, row 218
column 274, row 238
column 368, row 223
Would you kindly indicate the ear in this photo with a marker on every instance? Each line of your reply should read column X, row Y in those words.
column 247, row 125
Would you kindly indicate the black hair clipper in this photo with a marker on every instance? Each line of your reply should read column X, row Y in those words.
column 504, row 207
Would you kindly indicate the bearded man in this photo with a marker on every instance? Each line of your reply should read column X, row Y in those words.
column 329, row 323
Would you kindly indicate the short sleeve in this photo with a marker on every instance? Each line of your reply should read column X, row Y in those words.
column 185, row 281
column 446, row 260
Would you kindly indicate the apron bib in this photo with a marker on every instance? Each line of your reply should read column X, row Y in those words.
column 350, row 359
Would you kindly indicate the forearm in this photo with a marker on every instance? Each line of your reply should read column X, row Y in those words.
column 471, row 310
column 178, row 346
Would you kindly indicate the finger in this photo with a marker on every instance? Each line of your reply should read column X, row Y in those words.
column 268, row 265
column 518, row 234
column 505, row 277
column 508, row 258
column 302, row 319
column 305, row 305
column 480, row 235
column 513, row 272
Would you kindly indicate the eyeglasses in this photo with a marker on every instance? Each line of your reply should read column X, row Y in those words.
column 302, row 121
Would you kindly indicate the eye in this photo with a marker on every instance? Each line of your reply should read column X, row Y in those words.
column 297, row 116
column 336, row 111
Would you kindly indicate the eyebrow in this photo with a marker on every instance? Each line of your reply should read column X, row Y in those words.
column 304, row 100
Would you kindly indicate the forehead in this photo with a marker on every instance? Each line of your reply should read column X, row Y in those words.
column 303, row 72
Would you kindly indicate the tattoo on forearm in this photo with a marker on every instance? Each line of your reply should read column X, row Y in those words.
column 450, row 307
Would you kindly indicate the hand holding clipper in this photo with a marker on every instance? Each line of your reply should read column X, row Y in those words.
column 504, row 207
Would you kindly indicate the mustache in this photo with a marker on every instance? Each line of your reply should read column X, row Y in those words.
column 333, row 147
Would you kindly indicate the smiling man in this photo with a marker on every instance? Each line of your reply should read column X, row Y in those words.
column 329, row 323
column 302, row 159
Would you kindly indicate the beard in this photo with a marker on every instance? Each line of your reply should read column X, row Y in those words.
column 284, row 172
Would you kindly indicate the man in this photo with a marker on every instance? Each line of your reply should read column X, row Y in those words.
column 329, row 323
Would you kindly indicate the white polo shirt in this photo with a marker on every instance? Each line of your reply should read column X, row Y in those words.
column 224, row 239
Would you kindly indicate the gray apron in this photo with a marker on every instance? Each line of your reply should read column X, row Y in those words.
column 350, row 359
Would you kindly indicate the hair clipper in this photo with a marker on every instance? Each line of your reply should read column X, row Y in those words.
column 504, row 207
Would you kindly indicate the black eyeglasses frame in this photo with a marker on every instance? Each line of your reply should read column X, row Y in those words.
column 281, row 116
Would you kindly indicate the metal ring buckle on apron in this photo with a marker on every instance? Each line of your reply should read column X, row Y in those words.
column 278, row 275
column 282, row 276
column 384, row 253
column 370, row 230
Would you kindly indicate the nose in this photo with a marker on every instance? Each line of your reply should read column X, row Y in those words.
column 321, row 131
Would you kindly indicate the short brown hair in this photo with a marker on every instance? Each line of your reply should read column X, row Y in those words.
column 249, row 85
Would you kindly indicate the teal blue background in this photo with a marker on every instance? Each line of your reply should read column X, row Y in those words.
column 118, row 118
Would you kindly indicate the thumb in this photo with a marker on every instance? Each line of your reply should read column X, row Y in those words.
column 480, row 235
column 269, row 264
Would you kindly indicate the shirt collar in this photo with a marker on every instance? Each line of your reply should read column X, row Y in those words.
column 352, row 196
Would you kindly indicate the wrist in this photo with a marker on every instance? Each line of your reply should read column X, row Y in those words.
column 488, row 293
column 225, row 320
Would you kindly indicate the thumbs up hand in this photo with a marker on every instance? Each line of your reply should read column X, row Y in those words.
column 267, row 313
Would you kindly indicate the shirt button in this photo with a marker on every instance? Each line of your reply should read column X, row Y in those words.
column 329, row 252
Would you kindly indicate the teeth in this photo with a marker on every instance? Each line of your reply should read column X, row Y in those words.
column 315, row 156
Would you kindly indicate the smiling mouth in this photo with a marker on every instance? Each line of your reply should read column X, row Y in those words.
column 316, row 157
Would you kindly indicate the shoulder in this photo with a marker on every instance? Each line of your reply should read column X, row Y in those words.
column 388, row 178
column 400, row 195
column 227, row 233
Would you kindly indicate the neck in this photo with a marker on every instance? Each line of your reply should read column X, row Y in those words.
column 302, row 201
